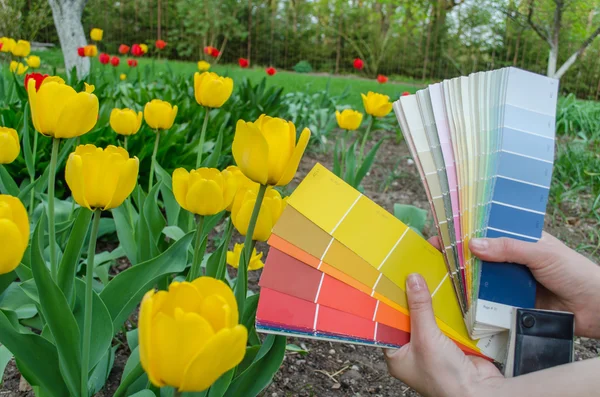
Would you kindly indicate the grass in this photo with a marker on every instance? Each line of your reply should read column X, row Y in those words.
column 290, row 81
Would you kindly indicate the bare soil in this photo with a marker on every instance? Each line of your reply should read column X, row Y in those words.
column 338, row 369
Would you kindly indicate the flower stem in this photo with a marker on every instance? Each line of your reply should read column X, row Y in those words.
column 223, row 260
column 87, row 319
column 364, row 141
column 343, row 159
column 151, row 179
column 241, row 285
column 198, row 252
column 202, row 137
column 125, row 142
column 32, row 176
column 51, row 226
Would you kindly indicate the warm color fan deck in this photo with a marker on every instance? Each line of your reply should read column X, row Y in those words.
column 337, row 269
column 484, row 147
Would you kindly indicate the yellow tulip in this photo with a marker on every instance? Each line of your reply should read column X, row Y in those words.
column 22, row 48
column 123, row 76
column 96, row 34
column 377, row 105
column 9, row 145
column 7, row 44
column 57, row 110
column 90, row 50
column 211, row 89
column 190, row 335
column 348, row 119
column 33, row 61
column 233, row 258
column 101, row 178
column 14, row 232
column 205, row 191
column 266, row 150
column 270, row 211
column 17, row 67
column 125, row 121
column 144, row 48
column 203, row 66
column 241, row 180
column 159, row 114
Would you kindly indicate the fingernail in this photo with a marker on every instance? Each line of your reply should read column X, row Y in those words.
column 480, row 244
column 414, row 282
column 389, row 352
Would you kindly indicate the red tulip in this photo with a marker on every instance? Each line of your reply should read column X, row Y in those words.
column 215, row 53
column 271, row 71
column 104, row 58
column 1, row 44
column 160, row 44
column 244, row 63
column 81, row 52
column 136, row 50
column 132, row 63
column 405, row 93
column 123, row 49
column 115, row 61
column 382, row 79
column 359, row 64
column 38, row 77
column 208, row 50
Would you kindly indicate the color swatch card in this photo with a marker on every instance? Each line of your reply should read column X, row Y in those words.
column 484, row 148
column 337, row 270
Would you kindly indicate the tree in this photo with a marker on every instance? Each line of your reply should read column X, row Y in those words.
column 551, row 35
column 67, row 20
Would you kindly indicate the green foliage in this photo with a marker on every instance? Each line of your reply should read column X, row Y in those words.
column 303, row 67
column 414, row 217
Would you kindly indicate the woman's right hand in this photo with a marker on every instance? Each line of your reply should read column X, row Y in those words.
column 569, row 281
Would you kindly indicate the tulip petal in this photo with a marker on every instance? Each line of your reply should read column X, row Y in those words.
column 264, row 222
column 51, row 99
column 215, row 309
column 294, row 162
column 208, row 286
column 11, row 246
column 184, row 296
column 222, row 352
column 205, row 197
column 278, row 134
column 147, row 349
column 78, row 117
column 181, row 179
column 251, row 152
column 127, row 181
column 75, row 179
column 19, row 216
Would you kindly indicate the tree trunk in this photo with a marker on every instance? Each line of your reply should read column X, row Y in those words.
column 158, row 20
column 338, row 51
column 554, row 39
column 67, row 19
column 249, row 30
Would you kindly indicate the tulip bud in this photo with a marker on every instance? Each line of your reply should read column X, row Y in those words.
column 33, row 61
column 9, row 145
column 159, row 114
column 241, row 180
column 125, row 121
column 144, row 48
column 212, row 90
column 17, row 67
column 266, row 150
column 81, row 52
column 205, row 191
column 271, row 71
column 57, row 110
column 14, row 232
column 123, row 49
column 96, row 34
column 7, row 44
column 203, row 66
column 123, row 76
column 115, row 61
column 381, row 79
column 104, row 58
column 243, row 62
column 348, row 119
column 160, row 44
column 21, row 49
column 101, row 178
column 270, row 211
column 233, row 258
column 358, row 64
column 189, row 335
column 377, row 105
column 90, row 50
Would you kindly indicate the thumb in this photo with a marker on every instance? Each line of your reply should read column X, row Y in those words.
column 423, row 327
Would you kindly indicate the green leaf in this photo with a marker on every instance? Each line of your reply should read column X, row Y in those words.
column 220, row 386
column 366, row 164
column 70, row 259
column 58, row 316
column 7, row 183
column 124, row 292
column 132, row 339
column 17, row 301
column 144, row 393
column 133, row 373
column 350, row 164
column 125, row 231
column 37, row 358
column 296, row 349
column 337, row 166
column 27, row 149
column 24, row 192
column 250, row 311
column 411, row 216
column 42, row 182
column 172, row 207
column 6, row 280
column 5, row 357
column 213, row 160
column 251, row 352
column 102, row 370
column 260, row 373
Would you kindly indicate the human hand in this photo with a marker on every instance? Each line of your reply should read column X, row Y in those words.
column 431, row 363
column 569, row 281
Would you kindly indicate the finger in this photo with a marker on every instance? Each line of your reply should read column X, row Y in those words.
column 435, row 241
column 423, row 327
column 533, row 255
